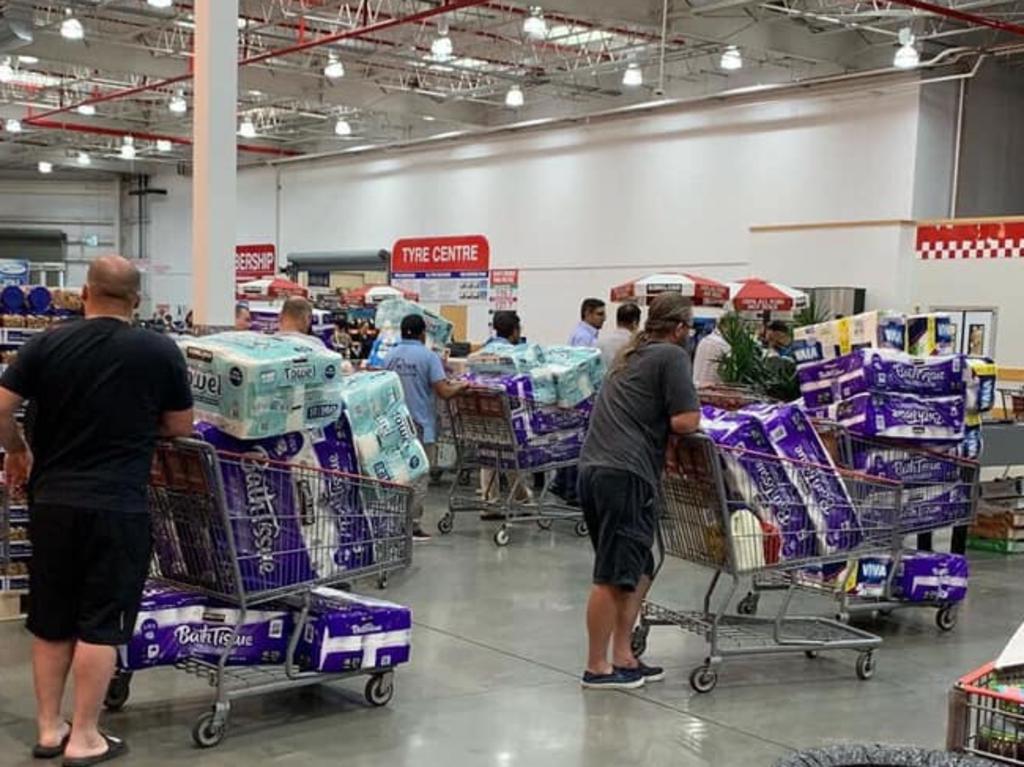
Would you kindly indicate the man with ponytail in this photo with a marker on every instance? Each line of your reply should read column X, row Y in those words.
column 648, row 396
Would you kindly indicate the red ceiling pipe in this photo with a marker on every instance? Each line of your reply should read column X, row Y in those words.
column 970, row 18
column 99, row 130
column 379, row 26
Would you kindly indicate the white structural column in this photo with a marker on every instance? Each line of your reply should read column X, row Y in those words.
column 214, row 163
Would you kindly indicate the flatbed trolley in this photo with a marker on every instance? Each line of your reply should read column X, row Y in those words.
column 288, row 521
column 697, row 525
column 986, row 715
column 937, row 491
column 482, row 422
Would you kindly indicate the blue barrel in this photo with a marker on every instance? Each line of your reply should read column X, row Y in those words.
column 39, row 300
column 12, row 299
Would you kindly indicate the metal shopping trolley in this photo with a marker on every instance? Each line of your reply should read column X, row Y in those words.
column 246, row 531
column 851, row 513
column 986, row 714
column 482, row 421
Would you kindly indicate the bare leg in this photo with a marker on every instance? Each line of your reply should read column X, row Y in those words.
column 625, row 622
column 92, row 668
column 602, row 609
column 50, row 664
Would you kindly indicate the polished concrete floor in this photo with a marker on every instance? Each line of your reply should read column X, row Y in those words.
column 498, row 647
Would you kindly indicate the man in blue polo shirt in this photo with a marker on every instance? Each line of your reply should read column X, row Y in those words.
column 422, row 377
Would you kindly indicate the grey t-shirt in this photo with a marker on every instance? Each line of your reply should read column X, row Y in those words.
column 629, row 428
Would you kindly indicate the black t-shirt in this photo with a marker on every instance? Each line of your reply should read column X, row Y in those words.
column 629, row 428
column 97, row 389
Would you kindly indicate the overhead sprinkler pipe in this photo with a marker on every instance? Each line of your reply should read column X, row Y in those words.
column 969, row 18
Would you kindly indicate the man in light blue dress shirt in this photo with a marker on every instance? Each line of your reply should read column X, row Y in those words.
column 592, row 317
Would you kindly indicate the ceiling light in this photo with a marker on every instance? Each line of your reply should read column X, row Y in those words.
column 45, row 167
column 177, row 104
column 906, row 56
column 84, row 159
column 6, row 70
column 128, row 148
column 334, row 69
column 71, row 28
column 514, row 98
column 13, row 125
column 28, row 59
column 731, row 58
column 247, row 129
column 429, row 118
column 86, row 109
column 442, row 48
column 163, row 145
column 342, row 127
column 534, row 25
column 633, row 77
column 161, row 3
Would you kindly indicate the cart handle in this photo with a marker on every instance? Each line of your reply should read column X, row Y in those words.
column 966, row 683
column 307, row 467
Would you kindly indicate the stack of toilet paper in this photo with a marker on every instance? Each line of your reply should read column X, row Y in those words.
column 390, row 314
column 383, row 432
column 578, row 372
column 560, row 447
column 497, row 358
column 253, row 385
column 828, row 340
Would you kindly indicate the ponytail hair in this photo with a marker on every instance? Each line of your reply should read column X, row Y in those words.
column 666, row 313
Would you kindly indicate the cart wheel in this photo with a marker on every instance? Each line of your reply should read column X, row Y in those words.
column 118, row 690
column 501, row 537
column 810, row 654
column 380, row 688
column 946, row 618
column 866, row 665
column 544, row 524
column 207, row 731
column 446, row 523
column 703, row 679
column 638, row 642
column 748, row 605
column 843, row 617
column 581, row 529
column 382, row 581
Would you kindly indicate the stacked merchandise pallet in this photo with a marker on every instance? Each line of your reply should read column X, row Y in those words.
column 999, row 526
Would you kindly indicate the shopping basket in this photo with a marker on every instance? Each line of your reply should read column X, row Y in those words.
column 487, row 442
column 985, row 720
column 246, row 531
column 835, row 515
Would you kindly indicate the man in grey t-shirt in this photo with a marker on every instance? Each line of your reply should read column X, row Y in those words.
column 648, row 396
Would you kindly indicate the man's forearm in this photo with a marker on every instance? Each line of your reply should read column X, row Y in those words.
column 11, row 438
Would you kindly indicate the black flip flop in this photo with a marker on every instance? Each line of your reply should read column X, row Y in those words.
column 39, row 751
column 115, row 748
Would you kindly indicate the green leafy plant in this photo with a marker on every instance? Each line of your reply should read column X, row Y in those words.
column 747, row 365
column 812, row 314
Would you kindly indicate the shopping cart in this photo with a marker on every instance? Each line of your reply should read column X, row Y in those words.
column 247, row 531
column 854, row 514
column 482, row 421
column 986, row 720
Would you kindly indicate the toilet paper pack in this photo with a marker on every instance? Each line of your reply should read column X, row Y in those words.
column 936, row 505
column 534, row 414
column 505, row 359
column 392, row 311
column 561, row 447
column 830, row 381
column 253, row 385
column 578, row 372
column 931, row 334
column 926, row 576
column 910, row 467
column 904, row 416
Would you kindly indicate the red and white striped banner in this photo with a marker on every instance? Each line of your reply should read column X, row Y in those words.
column 945, row 242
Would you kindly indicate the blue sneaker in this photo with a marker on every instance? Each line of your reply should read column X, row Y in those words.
column 619, row 679
column 649, row 673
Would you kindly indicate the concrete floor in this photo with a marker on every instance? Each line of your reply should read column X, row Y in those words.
column 498, row 647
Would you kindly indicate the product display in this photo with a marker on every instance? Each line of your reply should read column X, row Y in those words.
column 828, row 340
column 980, row 375
column 252, row 385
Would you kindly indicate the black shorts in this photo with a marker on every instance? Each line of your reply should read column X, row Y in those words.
column 87, row 572
column 619, row 509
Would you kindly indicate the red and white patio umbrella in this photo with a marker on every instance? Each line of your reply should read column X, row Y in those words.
column 271, row 288
column 374, row 294
column 756, row 295
column 703, row 291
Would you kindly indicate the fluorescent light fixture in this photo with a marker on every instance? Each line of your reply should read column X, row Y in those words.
column 163, row 145
column 429, row 118
column 342, row 127
column 45, row 167
column 71, row 28
column 442, row 49
column 906, row 56
column 514, row 98
column 128, row 148
column 84, row 159
column 177, row 104
column 160, row 3
column 731, row 59
column 334, row 69
column 13, row 125
column 247, row 128
column 633, row 77
column 28, row 59
column 86, row 109
column 534, row 25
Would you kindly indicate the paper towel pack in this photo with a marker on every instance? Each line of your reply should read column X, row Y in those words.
column 931, row 334
column 578, row 372
column 870, row 330
column 392, row 311
column 980, row 376
column 505, row 359
column 904, row 416
column 253, row 385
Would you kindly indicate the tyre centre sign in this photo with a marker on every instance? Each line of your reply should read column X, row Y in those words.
column 443, row 269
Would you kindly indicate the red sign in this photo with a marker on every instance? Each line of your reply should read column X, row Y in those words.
column 979, row 240
column 255, row 262
column 438, row 255
column 504, row 277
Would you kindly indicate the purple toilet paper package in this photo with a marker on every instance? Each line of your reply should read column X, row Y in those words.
column 557, row 447
column 936, row 505
column 904, row 416
column 903, row 466
column 818, row 380
column 925, row 576
column 774, row 498
column 530, row 418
